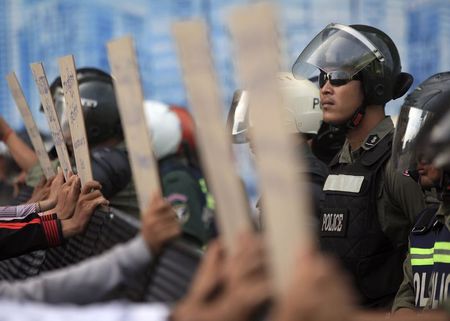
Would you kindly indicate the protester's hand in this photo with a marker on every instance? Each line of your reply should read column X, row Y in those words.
column 210, row 276
column 319, row 291
column 159, row 224
column 68, row 197
column 89, row 199
column 208, row 281
column 247, row 285
column 228, row 289
column 41, row 191
column 55, row 188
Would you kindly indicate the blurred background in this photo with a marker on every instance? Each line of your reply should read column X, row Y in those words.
column 43, row 30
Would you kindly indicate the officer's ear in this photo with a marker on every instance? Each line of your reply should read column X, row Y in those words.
column 404, row 81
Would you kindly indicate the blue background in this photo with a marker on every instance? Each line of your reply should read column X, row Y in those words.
column 43, row 30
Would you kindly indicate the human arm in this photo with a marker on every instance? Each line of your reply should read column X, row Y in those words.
column 24, row 156
column 44, row 198
column 318, row 291
column 50, row 201
column 88, row 200
column 404, row 193
column 229, row 287
column 90, row 281
column 43, row 230
column 97, row 278
column 19, row 236
column 18, row 211
column 114, row 311
column 41, row 191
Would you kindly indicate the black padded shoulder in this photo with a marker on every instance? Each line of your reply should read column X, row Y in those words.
column 111, row 167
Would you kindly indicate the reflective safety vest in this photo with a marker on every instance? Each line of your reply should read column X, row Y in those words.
column 430, row 260
column 350, row 229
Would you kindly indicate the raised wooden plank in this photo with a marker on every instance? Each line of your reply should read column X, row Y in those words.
column 30, row 125
column 76, row 120
column 130, row 98
column 53, row 123
column 286, row 202
column 215, row 150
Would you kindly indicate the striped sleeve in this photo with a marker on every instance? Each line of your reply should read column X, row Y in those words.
column 33, row 232
column 20, row 211
column 52, row 228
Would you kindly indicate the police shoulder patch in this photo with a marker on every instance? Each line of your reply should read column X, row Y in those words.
column 371, row 141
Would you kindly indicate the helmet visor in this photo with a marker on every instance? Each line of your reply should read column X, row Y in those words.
column 62, row 113
column 438, row 138
column 408, row 149
column 336, row 48
column 238, row 118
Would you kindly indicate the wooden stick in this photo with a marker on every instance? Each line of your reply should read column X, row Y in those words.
column 30, row 125
column 52, row 117
column 128, row 89
column 215, row 144
column 285, row 201
column 75, row 118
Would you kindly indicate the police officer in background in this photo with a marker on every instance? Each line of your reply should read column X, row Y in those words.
column 302, row 117
column 110, row 165
column 369, row 208
column 172, row 130
column 426, row 269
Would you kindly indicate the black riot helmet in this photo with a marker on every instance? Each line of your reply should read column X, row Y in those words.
column 383, row 80
column 433, row 139
column 342, row 53
column 423, row 129
column 100, row 111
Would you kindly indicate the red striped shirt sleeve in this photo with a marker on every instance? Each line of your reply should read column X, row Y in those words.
column 52, row 228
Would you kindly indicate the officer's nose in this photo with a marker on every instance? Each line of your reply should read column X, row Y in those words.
column 326, row 88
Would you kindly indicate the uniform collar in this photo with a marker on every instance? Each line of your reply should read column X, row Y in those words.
column 380, row 131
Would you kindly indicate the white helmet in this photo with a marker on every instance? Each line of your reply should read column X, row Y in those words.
column 301, row 105
column 164, row 128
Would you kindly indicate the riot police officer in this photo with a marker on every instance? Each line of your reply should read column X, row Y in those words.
column 421, row 144
column 369, row 208
column 302, row 117
column 172, row 130
column 110, row 165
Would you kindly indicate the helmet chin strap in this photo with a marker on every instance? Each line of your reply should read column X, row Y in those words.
column 353, row 121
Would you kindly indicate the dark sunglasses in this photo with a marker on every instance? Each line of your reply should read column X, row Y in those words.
column 336, row 78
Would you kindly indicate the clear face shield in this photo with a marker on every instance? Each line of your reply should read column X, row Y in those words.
column 439, row 141
column 339, row 51
column 238, row 117
column 409, row 146
column 60, row 107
